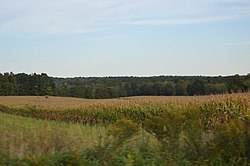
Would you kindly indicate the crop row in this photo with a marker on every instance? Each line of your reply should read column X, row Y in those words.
column 136, row 110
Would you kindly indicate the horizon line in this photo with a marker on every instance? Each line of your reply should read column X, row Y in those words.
column 140, row 76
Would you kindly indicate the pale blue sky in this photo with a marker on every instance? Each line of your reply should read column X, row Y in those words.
column 125, row 37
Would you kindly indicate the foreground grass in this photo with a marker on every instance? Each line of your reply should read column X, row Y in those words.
column 21, row 136
column 28, row 141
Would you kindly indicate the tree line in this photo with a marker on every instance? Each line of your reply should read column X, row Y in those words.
column 26, row 85
column 112, row 87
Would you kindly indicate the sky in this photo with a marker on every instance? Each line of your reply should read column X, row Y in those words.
column 71, row 38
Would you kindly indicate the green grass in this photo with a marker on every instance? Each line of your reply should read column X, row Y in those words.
column 21, row 136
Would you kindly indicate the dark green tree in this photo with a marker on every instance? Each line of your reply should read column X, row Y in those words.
column 197, row 87
column 168, row 88
column 101, row 93
column 181, row 88
column 1, row 89
column 235, row 84
column 217, row 88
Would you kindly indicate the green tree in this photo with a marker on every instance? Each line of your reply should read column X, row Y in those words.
column 168, row 88
column 246, row 82
column 158, row 89
column 235, row 84
column 88, row 92
column 101, row 93
column 181, row 88
column 196, row 88
column 76, row 91
column 217, row 88
column 1, row 89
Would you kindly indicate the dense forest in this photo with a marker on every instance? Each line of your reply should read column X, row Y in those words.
column 111, row 87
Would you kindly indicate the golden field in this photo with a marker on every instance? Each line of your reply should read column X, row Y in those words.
column 52, row 102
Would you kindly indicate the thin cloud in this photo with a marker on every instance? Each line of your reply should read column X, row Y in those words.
column 71, row 31
column 244, row 43
column 240, row 10
column 179, row 21
column 84, row 16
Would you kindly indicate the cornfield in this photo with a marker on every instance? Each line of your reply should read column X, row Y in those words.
column 198, row 130
column 108, row 111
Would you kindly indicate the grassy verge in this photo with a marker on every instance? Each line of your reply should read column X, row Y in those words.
column 21, row 136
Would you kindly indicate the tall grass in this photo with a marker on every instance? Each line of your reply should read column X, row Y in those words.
column 21, row 136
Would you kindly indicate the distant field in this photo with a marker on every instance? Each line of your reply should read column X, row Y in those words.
column 71, row 103
column 50, row 102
